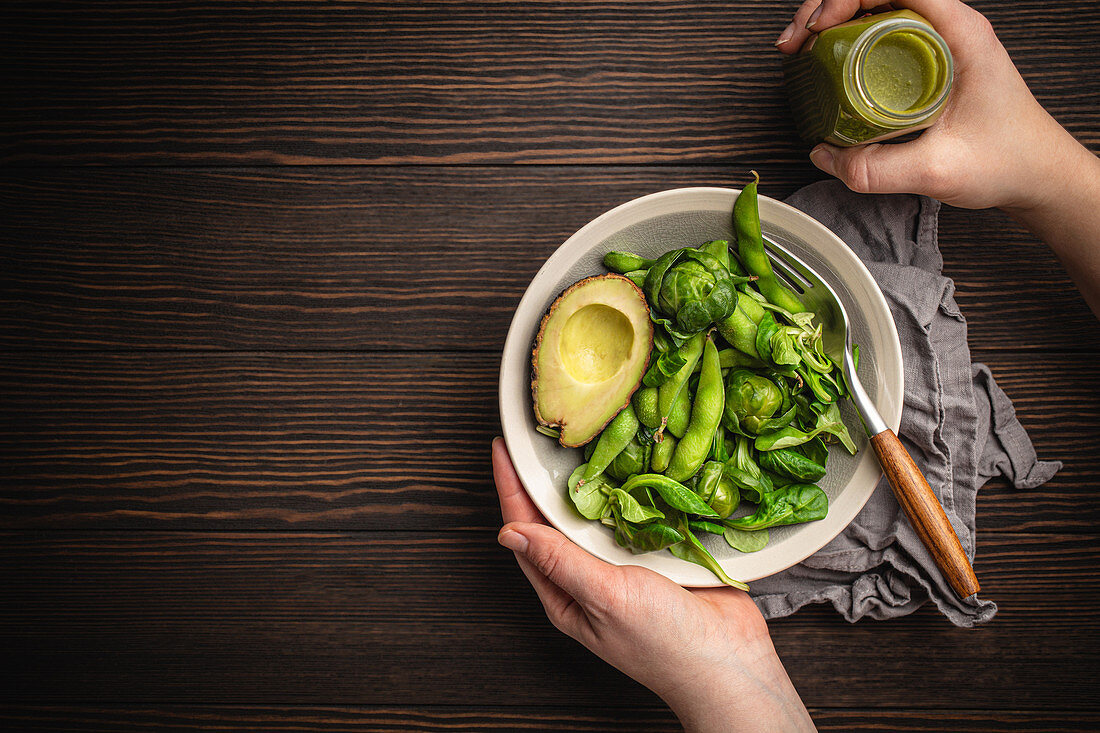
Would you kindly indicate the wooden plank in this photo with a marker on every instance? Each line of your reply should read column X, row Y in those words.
column 386, row 259
column 364, row 441
column 391, row 618
column 443, row 82
column 466, row 719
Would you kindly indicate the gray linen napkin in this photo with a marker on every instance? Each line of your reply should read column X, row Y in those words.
column 957, row 424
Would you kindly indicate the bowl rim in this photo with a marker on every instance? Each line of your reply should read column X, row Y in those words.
column 575, row 246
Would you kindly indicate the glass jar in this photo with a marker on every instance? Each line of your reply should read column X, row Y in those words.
column 869, row 79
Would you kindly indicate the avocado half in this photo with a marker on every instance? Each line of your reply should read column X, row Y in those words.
column 590, row 354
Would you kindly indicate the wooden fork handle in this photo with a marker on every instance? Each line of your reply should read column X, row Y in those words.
column 925, row 513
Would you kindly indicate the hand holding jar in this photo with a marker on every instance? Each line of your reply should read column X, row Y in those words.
column 992, row 145
column 991, row 137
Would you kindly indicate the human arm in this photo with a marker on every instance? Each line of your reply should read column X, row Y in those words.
column 994, row 146
column 705, row 652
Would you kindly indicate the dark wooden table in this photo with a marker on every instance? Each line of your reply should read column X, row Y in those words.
column 258, row 263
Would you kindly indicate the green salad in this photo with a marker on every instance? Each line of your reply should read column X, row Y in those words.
column 728, row 429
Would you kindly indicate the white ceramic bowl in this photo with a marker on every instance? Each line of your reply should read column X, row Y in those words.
column 649, row 226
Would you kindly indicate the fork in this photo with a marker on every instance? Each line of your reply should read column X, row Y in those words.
column 910, row 487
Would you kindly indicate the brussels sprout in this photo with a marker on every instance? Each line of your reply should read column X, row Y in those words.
column 750, row 400
column 682, row 284
column 690, row 289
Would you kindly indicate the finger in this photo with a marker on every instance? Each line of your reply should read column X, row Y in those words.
column 577, row 573
column 561, row 608
column 792, row 37
column 515, row 504
column 878, row 168
column 834, row 12
column 951, row 18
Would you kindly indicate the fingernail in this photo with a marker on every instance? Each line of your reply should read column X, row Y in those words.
column 786, row 35
column 513, row 540
column 822, row 158
column 813, row 17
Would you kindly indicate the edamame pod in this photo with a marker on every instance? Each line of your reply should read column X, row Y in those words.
column 624, row 262
column 706, row 415
column 680, row 416
column 750, row 248
column 612, row 440
column 645, row 407
column 662, row 454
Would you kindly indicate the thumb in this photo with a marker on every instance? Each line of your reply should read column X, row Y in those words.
column 877, row 168
column 561, row 565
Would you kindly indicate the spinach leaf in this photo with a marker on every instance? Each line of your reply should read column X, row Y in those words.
column 792, row 504
column 590, row 498
column 787, row 462
column 746, row 540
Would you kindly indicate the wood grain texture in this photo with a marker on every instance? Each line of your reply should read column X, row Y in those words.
column 456, row 719
column 329, row 619
column 245, row 411
column 363, row 441
column 442, row 82
column 387, row 259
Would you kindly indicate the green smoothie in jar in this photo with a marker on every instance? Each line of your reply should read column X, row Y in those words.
column 869, row 79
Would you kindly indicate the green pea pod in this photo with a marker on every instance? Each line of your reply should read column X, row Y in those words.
column 624, row 262
column 792, row 504
column 611, row 442
column 752, row 304
column 787, row 462
column 740, row 331
column 662, row 454
column 645, row 407
column 674, row 493
column 750, row 249
column 735, row 359
column 706, row 415
column 680, row 416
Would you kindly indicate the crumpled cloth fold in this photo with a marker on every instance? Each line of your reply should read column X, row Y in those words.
column 957, row 424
